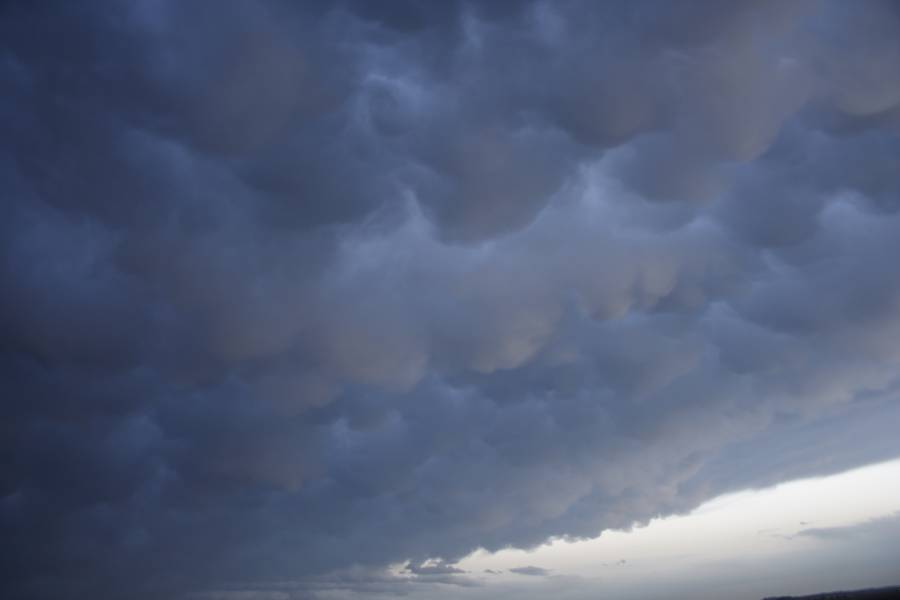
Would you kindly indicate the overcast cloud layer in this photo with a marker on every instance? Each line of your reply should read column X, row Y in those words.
column 289, row 288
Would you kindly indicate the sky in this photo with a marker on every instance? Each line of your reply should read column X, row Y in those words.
column 331, row 300
column 835, row 532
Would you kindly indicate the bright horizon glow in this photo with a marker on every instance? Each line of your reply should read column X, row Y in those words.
column 733, row 529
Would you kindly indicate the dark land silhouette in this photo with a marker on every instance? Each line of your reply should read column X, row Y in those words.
column 885, row 593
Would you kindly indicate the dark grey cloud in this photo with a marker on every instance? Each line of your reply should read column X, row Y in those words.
column 353, row 582
column 438, row 567
column 288, row 289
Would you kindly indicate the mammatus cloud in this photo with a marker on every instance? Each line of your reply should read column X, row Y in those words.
column 287, row 289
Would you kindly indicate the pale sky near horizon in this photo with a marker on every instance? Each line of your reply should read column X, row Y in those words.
column 747, row 543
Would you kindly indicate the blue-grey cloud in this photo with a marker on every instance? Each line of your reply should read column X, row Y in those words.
column 289, row 289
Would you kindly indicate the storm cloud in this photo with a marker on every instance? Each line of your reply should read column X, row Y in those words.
column 288, row 289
